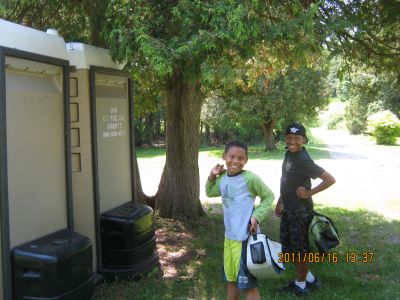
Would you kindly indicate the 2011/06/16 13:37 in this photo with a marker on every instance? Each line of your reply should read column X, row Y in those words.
column 329, row 257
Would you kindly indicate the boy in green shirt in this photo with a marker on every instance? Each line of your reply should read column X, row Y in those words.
column 238, row 189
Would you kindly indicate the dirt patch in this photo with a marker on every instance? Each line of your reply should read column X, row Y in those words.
column 175, row 249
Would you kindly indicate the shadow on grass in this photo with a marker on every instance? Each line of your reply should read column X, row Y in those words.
column 199, row 277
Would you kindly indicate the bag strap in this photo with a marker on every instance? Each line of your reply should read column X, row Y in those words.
column 330, row 221
column 255, row 234
column 274, row 263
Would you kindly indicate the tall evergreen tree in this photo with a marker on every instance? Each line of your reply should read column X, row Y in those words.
column 186, row 43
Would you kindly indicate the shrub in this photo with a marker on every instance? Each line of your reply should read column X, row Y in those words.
column 355, row 116
column 335, row 122
column 333, row 118
column 384, row 126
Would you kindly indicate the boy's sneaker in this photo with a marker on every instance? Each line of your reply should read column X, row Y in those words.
column 316, row 284
column 293, row 288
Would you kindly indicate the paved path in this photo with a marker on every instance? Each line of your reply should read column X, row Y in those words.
column 368, row 175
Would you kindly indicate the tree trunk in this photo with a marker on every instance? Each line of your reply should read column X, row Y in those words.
column 157, row 127
column 138, row 132
column 178, row 194
column 95, row 10
column 148, row 133
column 208, row 135
column 268, row 131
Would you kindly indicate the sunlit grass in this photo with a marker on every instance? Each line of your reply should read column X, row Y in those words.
column 316, row 151
column 315, row 147
column 200, row 277
column 361, row 231
column 150, row 152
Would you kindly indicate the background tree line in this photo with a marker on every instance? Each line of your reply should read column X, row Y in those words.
column 233, row 68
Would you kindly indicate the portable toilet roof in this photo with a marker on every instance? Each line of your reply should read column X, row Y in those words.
column 82, row 56
column 27, row 39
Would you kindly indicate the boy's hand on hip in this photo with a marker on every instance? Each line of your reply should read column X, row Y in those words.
column 253, row 225
column 278, row 209
column 302, row 193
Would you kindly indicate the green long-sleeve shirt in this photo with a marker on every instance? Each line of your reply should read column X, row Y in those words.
column 238, row 195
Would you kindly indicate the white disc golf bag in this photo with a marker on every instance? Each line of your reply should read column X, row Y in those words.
column 262, row 256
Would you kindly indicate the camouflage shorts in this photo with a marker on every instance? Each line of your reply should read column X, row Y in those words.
column 294, row 231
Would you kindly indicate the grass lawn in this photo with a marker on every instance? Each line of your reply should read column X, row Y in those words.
column 196, row 258
column 316, row 150
column 191, row 253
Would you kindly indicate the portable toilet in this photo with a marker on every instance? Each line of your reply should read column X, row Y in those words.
column 41, row 255
column 103, row 168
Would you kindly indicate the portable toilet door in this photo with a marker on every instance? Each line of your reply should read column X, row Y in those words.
column 112, row 131
column 126, row 232
column 103, row 167
column 35, row 162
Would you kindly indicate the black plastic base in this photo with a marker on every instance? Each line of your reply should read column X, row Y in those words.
column 132, row 271
column 83, row 292
column 128, row 241
column 56, row 266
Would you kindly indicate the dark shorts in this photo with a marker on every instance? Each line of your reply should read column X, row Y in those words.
column 294, row 231
column 243, row 278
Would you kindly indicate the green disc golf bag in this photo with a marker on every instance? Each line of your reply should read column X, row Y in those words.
column 322, row 234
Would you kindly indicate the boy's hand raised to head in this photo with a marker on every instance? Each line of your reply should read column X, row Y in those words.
column 216, row 171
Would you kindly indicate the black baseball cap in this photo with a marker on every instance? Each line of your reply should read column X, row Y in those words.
column 296, row 128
